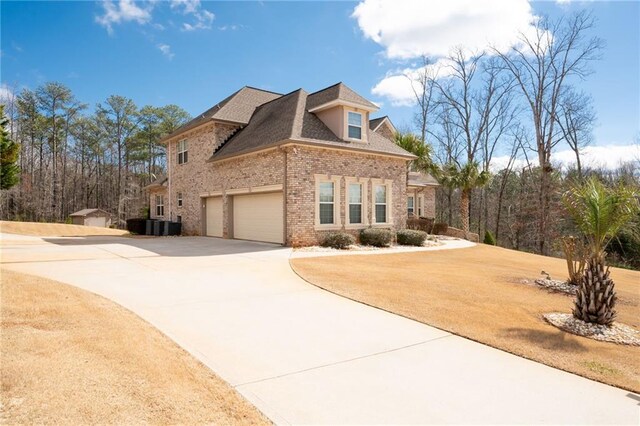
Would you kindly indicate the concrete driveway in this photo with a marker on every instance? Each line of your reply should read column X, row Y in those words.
column 305, row 356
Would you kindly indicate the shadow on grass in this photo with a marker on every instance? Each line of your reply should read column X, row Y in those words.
column 553, row 340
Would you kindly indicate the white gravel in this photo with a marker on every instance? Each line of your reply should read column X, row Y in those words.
column 316, row 251
column 616, row 333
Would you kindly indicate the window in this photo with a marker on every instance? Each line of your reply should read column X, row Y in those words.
column 183, row 153
column 326, row 203
column 354, row 125
column 179, row 199
column 355, row 203
column 380, row 194
column 179, row 219
column 410, row 205
column 159, row 205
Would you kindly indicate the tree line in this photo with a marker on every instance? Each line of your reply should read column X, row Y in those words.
column 520, row 104
column 70, row 157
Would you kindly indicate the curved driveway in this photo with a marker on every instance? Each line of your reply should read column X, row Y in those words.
column 303, row 355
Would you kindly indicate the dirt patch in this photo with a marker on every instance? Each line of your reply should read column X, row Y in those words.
column 71, row 357
column 38, row 229
column 471, row 292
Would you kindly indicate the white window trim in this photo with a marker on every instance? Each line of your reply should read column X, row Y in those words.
column 182, row 150
column 421, row 205
column 389, row 184
column 363, row 128
column 413, row 197
column 337, row 202
column 161, row 204
column 179, row 200
column 365, row 214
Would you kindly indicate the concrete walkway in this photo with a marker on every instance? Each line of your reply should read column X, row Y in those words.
column 305, row 356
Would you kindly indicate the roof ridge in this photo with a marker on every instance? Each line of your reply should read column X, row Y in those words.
column 328, row 87
column 262, row 90
column 301, row 107
column 276, row 99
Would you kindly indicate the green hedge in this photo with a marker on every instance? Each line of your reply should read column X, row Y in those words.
column 376, row 237
column 338, row 240
column 411, row 237
column 489, row 238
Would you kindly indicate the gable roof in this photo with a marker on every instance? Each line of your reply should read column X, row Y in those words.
column 287, row 119
column 421, row 179
column 337, row 92
column 237, row 108
column 375, row 123
column 90, row 212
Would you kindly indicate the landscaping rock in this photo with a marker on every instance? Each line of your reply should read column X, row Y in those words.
column 615, row 333
column 555, row 285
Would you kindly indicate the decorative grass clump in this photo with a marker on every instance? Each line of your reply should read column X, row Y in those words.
column 411, row 237
column 376, row 237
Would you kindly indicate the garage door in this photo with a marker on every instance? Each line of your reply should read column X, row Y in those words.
column 95, row 221
column 214, row 216
column 258, row 217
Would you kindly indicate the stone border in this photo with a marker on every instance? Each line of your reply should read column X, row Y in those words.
column 616, row 333
column 559, row 286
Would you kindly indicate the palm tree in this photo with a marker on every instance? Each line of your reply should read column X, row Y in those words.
column 423, row 151
column 465, row 178
column 599, row 212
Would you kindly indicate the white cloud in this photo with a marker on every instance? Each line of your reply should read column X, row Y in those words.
column 202, row 18
column 597, row 156
column 6, row 93
column 166, row 51
column 410, row 28
column 123, row 11
column 397, row 84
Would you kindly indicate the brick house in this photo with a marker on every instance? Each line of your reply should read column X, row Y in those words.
column 288, row 169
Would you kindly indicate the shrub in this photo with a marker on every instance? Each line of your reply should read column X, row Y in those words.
column 440, row 228
column 489, row 238
column 420, row 224
column 411, row 237
column 376, row 237
column 338, row 240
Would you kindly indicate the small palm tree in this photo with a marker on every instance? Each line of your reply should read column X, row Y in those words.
column 466, row 178
column 423, row 151
column 599, row 212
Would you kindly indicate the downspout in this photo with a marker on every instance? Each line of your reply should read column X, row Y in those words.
column 169, row 179
column 285, row 197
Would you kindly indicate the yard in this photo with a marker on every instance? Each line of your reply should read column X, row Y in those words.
column 477, row 293
column 72, row 357
column 55, row 229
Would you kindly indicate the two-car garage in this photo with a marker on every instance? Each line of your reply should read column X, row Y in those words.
column 252, row 216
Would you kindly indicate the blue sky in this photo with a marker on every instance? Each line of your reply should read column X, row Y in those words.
column 193, row 53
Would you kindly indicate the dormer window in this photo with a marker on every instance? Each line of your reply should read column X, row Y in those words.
column 354, row 130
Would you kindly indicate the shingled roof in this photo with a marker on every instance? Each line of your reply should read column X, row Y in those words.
column 337, row 92
column 287, row 119
column 237, row 108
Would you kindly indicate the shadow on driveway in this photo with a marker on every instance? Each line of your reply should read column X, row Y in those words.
column 172, row 246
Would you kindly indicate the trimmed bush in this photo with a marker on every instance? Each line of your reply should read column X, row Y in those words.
column 440, row 228
column 376, row 237
column 411, row 237
column 489, row 238
column 420, row 224
column 338, row 240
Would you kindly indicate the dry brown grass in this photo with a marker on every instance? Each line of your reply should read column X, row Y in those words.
column 38, row 229
column 476, row 293
column 71, row 357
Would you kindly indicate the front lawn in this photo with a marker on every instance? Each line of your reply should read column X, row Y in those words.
column 477, row 293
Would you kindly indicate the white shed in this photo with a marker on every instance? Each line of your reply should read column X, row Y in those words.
column 91, row 217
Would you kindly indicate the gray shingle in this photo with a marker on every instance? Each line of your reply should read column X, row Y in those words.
column 288, row 118
column 337, row 91
column 236, row 108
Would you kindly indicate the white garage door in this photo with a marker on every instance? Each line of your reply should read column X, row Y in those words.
column 258, row 217
column 214, row 216
column 95, row 221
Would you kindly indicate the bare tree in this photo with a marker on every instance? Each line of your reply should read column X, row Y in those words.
column 422, row 85
column 542, row 64
column 576, row 118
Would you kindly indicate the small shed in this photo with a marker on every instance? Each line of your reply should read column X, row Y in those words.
column 91, row 217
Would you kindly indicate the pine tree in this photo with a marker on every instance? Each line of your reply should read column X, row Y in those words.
column 9, row 170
